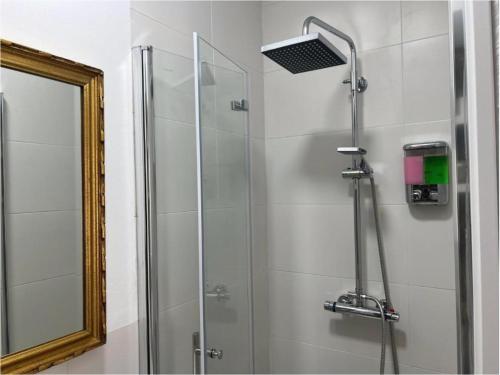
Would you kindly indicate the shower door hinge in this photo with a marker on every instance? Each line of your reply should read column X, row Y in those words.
column 239, row 105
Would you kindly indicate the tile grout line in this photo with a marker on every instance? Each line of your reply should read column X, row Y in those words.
column 364, row 129
column 45, row 279
column 44, row 211
column 272, row 268
column 41, row 143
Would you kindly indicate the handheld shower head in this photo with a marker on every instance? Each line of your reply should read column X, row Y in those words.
column 304, row 53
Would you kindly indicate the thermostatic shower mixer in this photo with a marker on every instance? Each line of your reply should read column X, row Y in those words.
column 426, row 173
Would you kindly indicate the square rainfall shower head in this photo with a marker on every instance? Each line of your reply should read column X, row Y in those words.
column 304, row 53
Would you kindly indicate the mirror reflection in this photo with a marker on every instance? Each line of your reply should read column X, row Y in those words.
column 42, row 239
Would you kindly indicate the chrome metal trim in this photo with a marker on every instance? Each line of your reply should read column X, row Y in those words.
column 249, row 233
column 147, row 271
column 327, row 27
column 368, row 312
column 496, row 61
column 425, row 145
column 196, row 352
column 355, row 143
column 302, row 39
column 460, row 140
column 199, row 149
column 351, row 150
column 3, row 276
column 199, row 178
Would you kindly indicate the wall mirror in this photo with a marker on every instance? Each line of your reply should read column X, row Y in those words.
column 52, row 209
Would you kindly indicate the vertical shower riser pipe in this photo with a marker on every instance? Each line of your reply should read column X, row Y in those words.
column 355, row 139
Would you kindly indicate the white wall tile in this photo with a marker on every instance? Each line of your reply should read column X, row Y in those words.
column 312, row 239
column 306, row 103
column 233, row 170
column 41, row 178
column 226, row 248
column 258, row 161
column 384, row 147
column 426, row 77
column 175, row 166
column 296, row 305
column 177, row 259
column 393, row 219
column 307, row 169
column 259, row 237
column 261, row 321
column 382, row 102
column 422, row 19
column 210, row 168
column 245, row 17
column 433, row 338
column 293, row 357
column 173, row 82
column 61, row 295
column 40, row 110
column 43, row 245
column 230, row 84
column 256, row 115
column 431, row 250
column 148, row 31
column 183, row 16
column 120, row 355
column 431, row 131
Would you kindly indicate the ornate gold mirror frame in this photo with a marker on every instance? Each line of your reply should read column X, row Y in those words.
column 38, row 358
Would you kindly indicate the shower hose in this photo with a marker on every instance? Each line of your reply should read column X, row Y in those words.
column 387, row 293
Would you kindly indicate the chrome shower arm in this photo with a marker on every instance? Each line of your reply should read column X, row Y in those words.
column 327, row 27
column 354, row 79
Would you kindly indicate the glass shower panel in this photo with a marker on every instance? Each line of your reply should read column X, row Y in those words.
column 224, row 192
column 176, row 210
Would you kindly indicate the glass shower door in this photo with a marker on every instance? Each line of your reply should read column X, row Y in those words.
column 224, row 213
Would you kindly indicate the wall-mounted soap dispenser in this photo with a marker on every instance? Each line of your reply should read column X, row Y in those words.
column 426, row 168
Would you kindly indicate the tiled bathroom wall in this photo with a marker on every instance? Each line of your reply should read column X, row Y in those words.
column 301, row 207
column 168, row 27
column 403, row 52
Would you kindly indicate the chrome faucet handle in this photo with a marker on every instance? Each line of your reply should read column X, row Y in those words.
column 361, row 86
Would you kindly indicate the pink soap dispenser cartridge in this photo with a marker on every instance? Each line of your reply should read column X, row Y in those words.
column 414, row 170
